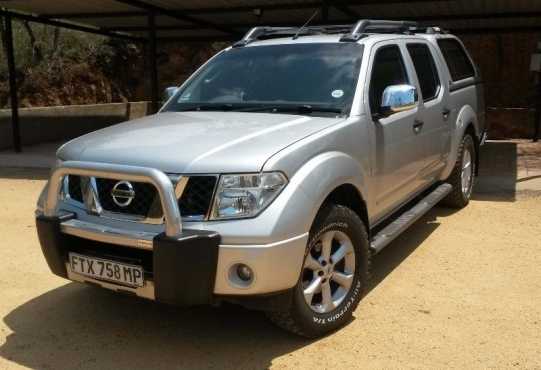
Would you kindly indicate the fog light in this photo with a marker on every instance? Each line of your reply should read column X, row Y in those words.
column 241, row 276
column 244, row 272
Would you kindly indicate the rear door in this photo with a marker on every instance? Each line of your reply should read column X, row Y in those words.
column 465, row 86
column 434, row 112
column 398, row 154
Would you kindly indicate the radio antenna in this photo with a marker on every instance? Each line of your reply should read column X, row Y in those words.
column 305, row 24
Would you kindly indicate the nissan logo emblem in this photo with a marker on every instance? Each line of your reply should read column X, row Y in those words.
column 123, row 193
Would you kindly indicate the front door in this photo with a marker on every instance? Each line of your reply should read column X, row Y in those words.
column 399, row 156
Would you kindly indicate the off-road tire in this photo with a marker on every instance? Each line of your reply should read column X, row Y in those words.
column 300, row 319
column 457, row 198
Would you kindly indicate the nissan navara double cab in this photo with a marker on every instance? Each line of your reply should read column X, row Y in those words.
column 273, row 174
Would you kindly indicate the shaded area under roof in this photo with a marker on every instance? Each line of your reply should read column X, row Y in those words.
column 151, row 21
column 192, row 20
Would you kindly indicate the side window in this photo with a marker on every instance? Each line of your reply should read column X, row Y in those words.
column 457, row 60
column 388, row 69
column 426, row 70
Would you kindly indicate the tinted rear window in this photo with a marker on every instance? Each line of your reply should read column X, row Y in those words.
column 425, row 67
column 457, row 60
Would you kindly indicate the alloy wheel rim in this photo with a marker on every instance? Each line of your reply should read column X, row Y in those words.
column 328, row 271
column 467, row 173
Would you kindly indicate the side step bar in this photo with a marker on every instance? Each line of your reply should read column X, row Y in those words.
column 405, row 220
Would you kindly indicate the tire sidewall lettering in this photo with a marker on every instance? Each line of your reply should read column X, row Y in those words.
column 346, row 306
column 335, row 316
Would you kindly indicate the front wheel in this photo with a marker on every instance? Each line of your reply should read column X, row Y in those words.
column 334, row 275
column 463, row 176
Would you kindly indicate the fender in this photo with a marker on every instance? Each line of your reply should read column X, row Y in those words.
column 465, row 117
column 288, row 219
column 294, row 210
column 326, row 172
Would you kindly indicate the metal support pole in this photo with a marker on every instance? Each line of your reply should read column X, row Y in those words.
column 537, row 122
column 152, row 56
column 12, row 85
column 324, row 11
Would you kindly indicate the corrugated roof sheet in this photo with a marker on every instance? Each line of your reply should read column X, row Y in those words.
column 239, row 15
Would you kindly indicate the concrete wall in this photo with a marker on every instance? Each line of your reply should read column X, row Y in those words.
column 40, row 125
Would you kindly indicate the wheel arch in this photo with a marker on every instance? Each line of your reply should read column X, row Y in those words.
column 348, row 195
column 466, row 122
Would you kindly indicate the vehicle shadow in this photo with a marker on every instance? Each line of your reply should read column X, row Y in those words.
column 76, row 326
column 405, row 244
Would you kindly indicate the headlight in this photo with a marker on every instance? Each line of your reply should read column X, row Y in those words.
column 242, row 196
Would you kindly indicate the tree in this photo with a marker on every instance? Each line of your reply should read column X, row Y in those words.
column 56, row 39
column 3, row 35
column 37, row 54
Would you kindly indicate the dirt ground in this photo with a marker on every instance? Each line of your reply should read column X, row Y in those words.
column 458, row 290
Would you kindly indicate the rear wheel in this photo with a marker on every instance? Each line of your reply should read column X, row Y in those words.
column 334, row 275
column 463, row 176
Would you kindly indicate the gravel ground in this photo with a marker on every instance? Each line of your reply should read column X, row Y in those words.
column 458, row 290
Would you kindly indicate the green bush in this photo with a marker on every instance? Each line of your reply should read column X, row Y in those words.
column 82, row 68
column 72, row 45
column 59, row 57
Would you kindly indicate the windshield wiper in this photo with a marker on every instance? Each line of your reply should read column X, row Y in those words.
column 291, row 108
column 211, row 107
column 273, row 108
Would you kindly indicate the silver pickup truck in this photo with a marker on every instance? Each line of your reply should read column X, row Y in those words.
column 273, row 174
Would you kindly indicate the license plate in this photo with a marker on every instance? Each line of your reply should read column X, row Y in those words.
column 101, row 269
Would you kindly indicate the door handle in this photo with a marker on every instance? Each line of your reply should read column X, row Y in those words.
column 418, row 126
column 446, row 113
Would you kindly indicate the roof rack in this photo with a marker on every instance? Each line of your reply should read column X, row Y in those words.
column 265, row 32
column 431, row 30
column 378, row 26
column 351, row 32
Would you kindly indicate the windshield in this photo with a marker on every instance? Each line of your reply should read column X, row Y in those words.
column 314, row 78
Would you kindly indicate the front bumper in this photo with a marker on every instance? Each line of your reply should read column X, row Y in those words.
column 187, row 270
column 182, row 266
column 182, row 272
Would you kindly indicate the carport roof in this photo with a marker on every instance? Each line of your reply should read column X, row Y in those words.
column 191, row 20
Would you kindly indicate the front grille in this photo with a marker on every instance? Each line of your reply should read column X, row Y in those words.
column 145, row 196
column 195, row 201
column 74, row 188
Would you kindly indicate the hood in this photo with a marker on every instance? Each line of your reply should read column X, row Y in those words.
column 195, row 142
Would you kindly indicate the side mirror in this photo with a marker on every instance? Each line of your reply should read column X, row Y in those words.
column 170, row 91
column 398, row 98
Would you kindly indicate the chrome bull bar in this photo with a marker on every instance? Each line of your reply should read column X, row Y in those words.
column 162, row 183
